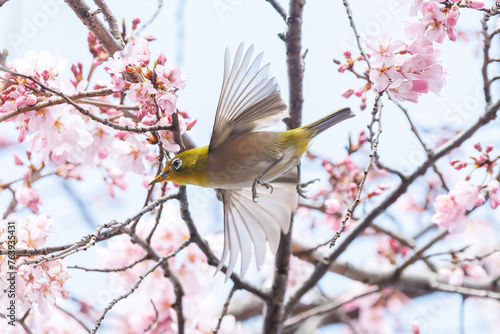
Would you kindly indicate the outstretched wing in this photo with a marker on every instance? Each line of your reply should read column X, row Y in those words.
column 249, row 97
column 247, row 223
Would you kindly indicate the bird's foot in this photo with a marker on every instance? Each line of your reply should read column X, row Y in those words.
column 301, row 188
column 254, row 188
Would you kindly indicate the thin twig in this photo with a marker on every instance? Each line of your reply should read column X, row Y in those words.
column 128, row 293
column 418, row 253
column 278, row 8
column 160, row 261
column 322, row 267
column 323, row 309
column 224, row 309
column 157, row 11
column 55, row 101
column 356, row 34
column 374, row 140
column 109, row 270
column 109, row 17
column 88, row 113
column 71, row 315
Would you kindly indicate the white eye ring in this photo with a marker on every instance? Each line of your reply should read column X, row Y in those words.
column 176, row 164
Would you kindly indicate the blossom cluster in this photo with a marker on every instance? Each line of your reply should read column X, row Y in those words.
column 37, row 287
column 62, row 136
column 405, row 70
column 201, row 306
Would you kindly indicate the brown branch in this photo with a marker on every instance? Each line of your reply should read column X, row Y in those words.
column 161, row 261
column 114, row 228
column 414, row 129
column 418, row 253
column 322, row 267
column 71, row 315
column 278, row 8
column 323, row 309
column 273, row 316
column 55, row 101
column 486, row 57
column 88, row 113
column 295, row 63
column 157, row 11
column 103, row 104
column 95, row 25
column 112, row 23
column 109, row 270
column 356, row 34
column 224, row 309
column 374, row 140
column 100, row 32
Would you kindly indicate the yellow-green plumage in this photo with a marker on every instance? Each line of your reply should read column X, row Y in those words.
column 241, row 156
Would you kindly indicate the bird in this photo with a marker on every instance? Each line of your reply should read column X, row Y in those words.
column 243, row 154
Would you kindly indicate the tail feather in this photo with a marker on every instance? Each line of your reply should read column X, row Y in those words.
column 329, row 120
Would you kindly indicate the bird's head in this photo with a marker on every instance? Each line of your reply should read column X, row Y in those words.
column 188, row 167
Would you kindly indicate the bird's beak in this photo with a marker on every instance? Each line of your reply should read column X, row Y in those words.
column 159, row 178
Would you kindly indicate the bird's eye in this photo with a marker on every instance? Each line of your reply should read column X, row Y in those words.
column 176, row 164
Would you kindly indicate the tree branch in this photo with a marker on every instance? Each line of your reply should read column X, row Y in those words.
column 88, row 113
column 55, row 101
column 273, row 316
column 322, row 267
column 278, row 8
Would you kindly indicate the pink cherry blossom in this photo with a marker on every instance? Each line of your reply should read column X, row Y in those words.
column 332, row 205
column 480, row 200
column 493, row 187
column 191, row 123
column 18, row 161
column 139, row 91
column 401, row 90
column 383, row 46
column 346, row 92
column 474, row 4
column 33, row 231
column 456, row 277
column 167, row 102
column 43, row 66
column 475, row 271
column 465, row 194
column 161, row 59
column 170, row 75
column 59, row 136
column 458, row 164
column 134, row 54
column 379, row 189
column 28, row 197
column 117, row 83
column 128, row 154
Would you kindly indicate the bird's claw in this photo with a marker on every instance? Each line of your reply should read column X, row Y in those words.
column 301, row 188
column 254, row 188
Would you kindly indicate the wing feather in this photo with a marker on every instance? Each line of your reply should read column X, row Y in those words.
column 249, row 98
column 249, row 224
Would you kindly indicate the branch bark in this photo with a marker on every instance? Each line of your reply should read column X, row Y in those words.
column 273, row 316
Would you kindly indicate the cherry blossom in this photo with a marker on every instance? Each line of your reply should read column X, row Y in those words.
column 128, row 154
column 493, row 187
column 170, row 75
column 449, row 214
column 465, row 194
column 29, row 197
